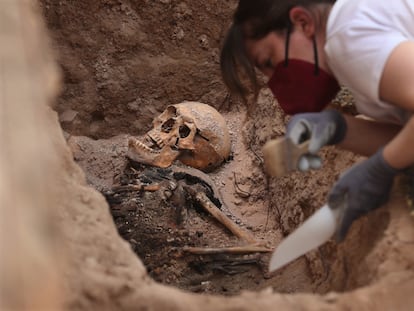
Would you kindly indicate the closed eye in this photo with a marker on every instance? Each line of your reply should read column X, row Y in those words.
column 267, row 64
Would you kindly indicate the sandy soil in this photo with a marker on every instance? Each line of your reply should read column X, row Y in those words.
column 268, row 208
column 122, row 63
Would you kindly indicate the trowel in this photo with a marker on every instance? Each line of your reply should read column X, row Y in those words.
column 315, row 231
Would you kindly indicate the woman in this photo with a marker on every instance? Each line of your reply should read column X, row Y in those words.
column 307, row 49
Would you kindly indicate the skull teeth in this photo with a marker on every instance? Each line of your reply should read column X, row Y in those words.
column 141, row 146
column 157, row 139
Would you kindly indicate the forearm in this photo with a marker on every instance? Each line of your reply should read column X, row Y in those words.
column 365, row 137
column 399, row 153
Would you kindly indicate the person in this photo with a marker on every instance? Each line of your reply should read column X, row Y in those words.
column 307, row 49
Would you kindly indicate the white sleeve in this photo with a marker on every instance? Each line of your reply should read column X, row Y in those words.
column 357, row 56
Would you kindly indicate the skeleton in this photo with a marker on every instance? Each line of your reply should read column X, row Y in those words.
column 191, row 132
column 182, row 185
column 197, row 135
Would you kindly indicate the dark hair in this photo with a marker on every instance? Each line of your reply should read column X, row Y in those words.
column 253, row 19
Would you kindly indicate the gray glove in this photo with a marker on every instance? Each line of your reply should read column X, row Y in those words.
column 362, row 188
column 327, row 127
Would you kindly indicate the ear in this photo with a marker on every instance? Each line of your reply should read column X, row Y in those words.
column 302, row 19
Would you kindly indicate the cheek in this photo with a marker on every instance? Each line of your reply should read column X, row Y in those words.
column 251, row 49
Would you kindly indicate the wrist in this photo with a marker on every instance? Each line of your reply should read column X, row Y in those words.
column 393, row 158
column 385, row 164
column 340, row 126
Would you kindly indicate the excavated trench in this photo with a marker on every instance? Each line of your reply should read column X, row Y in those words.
column 123, row 62
column 121, row 68
column 161, row 224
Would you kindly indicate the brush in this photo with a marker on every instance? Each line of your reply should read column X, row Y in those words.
column 281, row 155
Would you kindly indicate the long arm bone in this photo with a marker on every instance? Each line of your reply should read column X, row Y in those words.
column 205, row 202
column 228, row 250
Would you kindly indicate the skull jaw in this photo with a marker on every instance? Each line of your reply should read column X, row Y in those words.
column 139, row 152
column 203, row 157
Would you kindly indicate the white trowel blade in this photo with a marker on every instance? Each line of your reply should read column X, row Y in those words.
column 315, row 231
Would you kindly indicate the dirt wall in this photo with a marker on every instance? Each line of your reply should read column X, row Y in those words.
column 125, row 61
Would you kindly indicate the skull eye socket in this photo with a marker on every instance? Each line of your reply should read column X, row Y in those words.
column 184, row 131
column 167, row 126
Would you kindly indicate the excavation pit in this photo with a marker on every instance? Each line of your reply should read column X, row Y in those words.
column 181, row 245
column 116, row 78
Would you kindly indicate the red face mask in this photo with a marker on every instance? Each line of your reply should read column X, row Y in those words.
column 299, row 87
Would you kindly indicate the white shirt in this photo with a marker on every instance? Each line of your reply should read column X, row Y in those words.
column 361, row 35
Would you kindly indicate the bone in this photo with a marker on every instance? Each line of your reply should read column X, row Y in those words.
column 205, row 202
column 150, row 188
column 139, row 152
column 227, row 250
column 134, row 143
column 193, row 133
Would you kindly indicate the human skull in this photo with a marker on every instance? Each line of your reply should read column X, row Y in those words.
column 194, row 133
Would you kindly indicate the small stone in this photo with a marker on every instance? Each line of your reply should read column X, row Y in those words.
column 203, row 40
column 178, row 34
column 68, row 116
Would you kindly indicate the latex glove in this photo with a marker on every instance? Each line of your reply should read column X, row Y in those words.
column 327, row 127
column 362, row 188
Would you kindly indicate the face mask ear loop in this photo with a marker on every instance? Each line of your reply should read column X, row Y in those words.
column 315, row 54
column 289, row 29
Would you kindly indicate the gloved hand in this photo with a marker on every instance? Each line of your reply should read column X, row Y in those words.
column 327, row 127
column 362, row 188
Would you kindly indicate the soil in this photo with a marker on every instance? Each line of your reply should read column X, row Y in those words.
column 268, row 208
column 122, row 63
